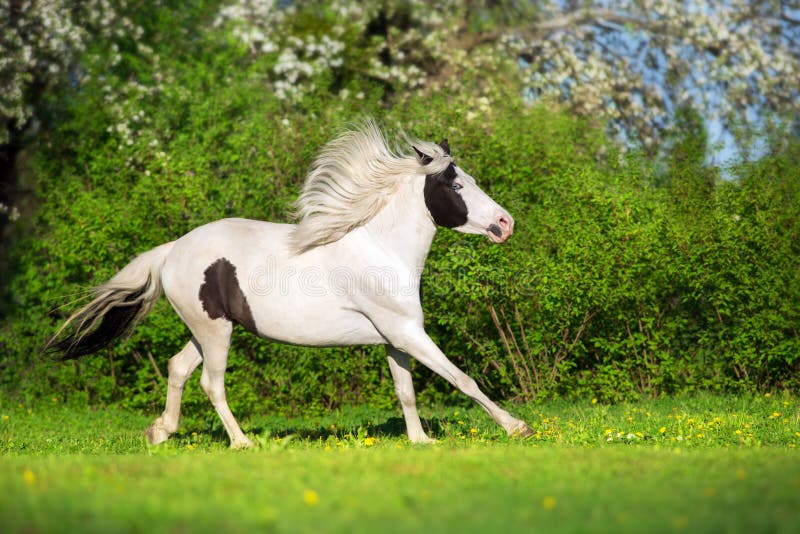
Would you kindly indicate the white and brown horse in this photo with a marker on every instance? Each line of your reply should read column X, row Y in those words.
column 348, row 273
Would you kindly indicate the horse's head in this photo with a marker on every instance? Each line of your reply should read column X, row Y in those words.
column 455, row 200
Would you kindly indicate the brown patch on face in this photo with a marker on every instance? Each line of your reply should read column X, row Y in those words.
column 222, row 296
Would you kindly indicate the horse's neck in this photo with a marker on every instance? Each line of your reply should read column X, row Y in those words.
column 404, row 226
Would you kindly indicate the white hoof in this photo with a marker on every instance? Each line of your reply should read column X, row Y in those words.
column 521, row 430
column 241, row 443
column 423, row 439
column 156, row 433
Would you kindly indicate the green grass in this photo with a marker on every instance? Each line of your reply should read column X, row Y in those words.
column 706, row 464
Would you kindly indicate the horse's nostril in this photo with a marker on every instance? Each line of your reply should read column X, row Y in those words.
column 496, row 230
column 503, row 223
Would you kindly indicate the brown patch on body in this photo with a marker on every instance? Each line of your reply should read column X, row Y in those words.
column 222, row 296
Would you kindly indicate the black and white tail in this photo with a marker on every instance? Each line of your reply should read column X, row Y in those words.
column 117, row 306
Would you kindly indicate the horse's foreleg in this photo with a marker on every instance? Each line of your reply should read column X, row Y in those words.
column 400, row 367
column 412, row 339
column 181, row 367
column 215, row 360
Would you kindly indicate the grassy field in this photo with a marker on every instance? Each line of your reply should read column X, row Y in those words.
column 703, row 464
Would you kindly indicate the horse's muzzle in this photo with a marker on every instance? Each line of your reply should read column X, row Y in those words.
column 502, row 229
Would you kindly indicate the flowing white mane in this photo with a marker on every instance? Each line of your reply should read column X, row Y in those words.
column 352, row 179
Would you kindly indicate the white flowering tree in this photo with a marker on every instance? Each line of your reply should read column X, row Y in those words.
column 635, row 63
column 630, row 64
column 41, row 43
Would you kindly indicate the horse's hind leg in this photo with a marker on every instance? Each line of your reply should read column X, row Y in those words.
column 215, row 343
column 400, row 367
column 181, row 367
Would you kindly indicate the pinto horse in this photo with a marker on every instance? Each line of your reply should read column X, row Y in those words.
column 348, row 273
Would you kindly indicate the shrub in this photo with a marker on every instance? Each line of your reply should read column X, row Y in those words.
column 623, row 278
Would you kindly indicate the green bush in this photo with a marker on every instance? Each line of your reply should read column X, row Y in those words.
column 623, row 278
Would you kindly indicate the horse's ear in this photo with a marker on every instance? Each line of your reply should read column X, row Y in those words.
column 423, row 158
column 445, row 146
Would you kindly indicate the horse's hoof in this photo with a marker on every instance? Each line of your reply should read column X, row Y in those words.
column 156, row 434
column 522, row 431
column 423, row 440
column 241, row 444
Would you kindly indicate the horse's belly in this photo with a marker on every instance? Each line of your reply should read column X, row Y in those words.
column 333, row 327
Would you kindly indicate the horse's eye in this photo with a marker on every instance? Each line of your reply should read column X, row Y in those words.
column 456, row 186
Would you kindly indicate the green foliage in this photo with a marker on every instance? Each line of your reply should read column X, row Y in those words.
column 622, row 278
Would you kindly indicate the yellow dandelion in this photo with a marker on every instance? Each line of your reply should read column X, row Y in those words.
column 327, row 448
column 191, row 446
column 738, row 432
column 767, row 395
column 594, row 400
column 473, row 430
column 369, row 442
column 662, row 429
column 310, row 497
column 5, row 418
column 29, row 477
column 548, row 503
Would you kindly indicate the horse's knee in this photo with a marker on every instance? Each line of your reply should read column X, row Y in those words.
column 467, row 385
column 177, row 373
column 405, row 392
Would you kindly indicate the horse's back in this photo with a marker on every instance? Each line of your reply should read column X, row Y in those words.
column 221, row 254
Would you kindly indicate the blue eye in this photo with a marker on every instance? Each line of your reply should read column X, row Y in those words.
column 456, row 186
